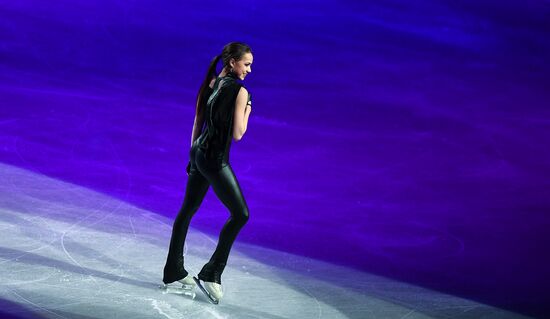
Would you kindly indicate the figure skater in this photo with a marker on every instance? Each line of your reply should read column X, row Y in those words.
column 222, row 111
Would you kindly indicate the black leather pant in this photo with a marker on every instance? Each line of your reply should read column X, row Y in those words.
column 202, row 174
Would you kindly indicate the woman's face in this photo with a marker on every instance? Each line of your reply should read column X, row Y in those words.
column 242, row 67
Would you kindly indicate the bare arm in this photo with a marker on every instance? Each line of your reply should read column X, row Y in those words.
column 242, row 112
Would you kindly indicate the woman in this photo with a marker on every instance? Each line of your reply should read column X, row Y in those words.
column 222, row 111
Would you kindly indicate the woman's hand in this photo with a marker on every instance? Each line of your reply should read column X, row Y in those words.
column 249, row 103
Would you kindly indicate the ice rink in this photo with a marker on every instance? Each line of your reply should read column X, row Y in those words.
column 396, row 162
column 69, row 252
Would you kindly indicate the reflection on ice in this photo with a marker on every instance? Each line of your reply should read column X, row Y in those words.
column 178, row 289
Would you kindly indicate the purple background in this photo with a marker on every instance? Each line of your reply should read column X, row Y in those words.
column 405, row 139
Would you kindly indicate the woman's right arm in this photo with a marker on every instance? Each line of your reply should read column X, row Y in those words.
column 242, row 112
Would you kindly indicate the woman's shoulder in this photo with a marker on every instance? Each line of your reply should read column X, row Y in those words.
column 237, row 86
column 212, row 81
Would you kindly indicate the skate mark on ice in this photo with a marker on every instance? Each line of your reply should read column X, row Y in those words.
column 214, row 313
column 408, row 314
column 104, row 203
column 319, row 310
column 26, row 252
column 37, row 305
column 132, row 225
column 165, row 309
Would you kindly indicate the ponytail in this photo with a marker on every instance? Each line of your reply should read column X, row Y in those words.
column 209, row 75
column 232, row 50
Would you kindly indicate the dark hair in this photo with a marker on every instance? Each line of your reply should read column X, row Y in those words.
column 232, row 50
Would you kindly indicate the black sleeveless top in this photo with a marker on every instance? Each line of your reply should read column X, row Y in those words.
column 215, row 138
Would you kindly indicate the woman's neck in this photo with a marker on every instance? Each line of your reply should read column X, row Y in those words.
column 223, row 73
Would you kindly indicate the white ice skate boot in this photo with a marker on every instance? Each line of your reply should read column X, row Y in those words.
column 188, row 282
column 212, row 290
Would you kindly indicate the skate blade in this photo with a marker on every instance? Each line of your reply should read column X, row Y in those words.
column 178, row 289
column 213, row 300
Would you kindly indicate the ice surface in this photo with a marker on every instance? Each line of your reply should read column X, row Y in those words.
column 69, row 252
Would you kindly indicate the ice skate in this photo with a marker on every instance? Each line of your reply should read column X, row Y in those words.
column 212, row 290
column 185, row 286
